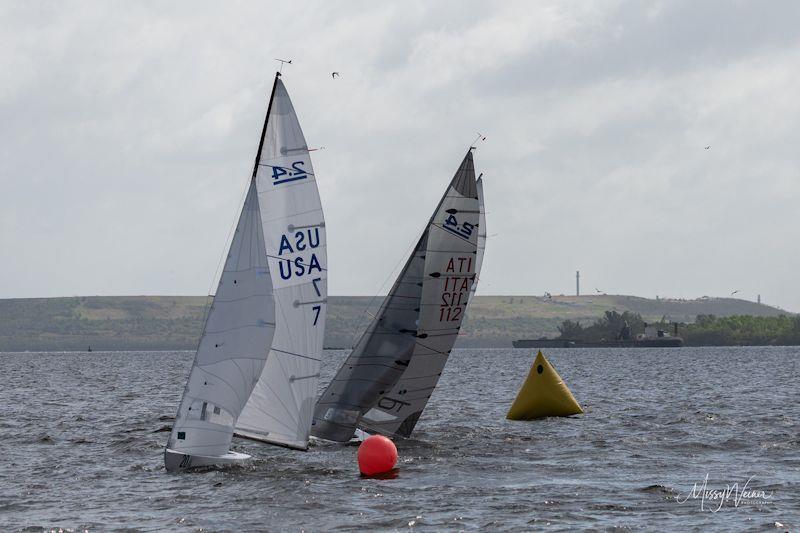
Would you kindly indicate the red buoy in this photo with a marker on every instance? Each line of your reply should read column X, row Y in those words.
column 376, row 455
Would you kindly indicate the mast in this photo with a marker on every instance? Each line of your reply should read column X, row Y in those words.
column 266, row 121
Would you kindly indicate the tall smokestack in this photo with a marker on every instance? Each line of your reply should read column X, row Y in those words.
column 577, row 283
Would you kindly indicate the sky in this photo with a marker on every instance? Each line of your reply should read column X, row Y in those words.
column 129, row 129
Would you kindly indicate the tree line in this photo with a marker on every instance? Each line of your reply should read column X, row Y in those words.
column 706, row 330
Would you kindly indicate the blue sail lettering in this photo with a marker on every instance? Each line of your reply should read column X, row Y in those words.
column 298, row 240
column 314, row 263
column 311, row 242
column 299, row 266
column 285, row 245
column 288, row 273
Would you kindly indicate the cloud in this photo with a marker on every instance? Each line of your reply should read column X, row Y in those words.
column 129, row 132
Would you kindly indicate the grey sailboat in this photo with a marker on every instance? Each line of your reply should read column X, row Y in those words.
column 387, row 379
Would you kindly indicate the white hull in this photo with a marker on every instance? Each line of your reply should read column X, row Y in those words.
column 177, row 461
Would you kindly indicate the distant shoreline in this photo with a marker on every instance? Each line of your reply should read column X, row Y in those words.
column 173, row 323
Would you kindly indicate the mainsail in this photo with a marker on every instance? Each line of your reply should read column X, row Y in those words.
column 414, row 329
column 281, row 405
column 272, row 293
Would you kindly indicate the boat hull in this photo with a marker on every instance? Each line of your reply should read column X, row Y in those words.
column 176, row 461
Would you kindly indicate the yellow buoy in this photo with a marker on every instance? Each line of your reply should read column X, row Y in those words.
column 543, row 394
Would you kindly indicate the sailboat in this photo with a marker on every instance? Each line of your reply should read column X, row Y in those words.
column 423, row 372
column 257, row 364
column 386, row 381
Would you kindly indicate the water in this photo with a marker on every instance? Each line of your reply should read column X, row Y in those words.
column 81, row 447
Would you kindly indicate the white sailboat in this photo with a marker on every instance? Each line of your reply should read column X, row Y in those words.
column 257, row 365
column 386, row 381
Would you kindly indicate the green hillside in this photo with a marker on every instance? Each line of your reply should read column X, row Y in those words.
column 174, row 322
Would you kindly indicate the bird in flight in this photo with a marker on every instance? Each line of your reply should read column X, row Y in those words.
column 708, row 147
column 734, row 292
column 334, row 74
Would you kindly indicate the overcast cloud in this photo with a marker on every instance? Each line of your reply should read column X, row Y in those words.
column 129, row 129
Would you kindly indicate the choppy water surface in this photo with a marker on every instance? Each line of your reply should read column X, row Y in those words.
column 81, row 447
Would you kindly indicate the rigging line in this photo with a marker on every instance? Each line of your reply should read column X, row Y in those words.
column 295, row 354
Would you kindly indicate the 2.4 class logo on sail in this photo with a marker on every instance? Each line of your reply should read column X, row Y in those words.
column 285, row 175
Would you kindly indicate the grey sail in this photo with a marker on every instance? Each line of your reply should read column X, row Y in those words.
column 418, row 320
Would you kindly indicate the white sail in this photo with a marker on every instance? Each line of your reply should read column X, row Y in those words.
column 419, row 319
column 232, row 350
column 281, row 405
